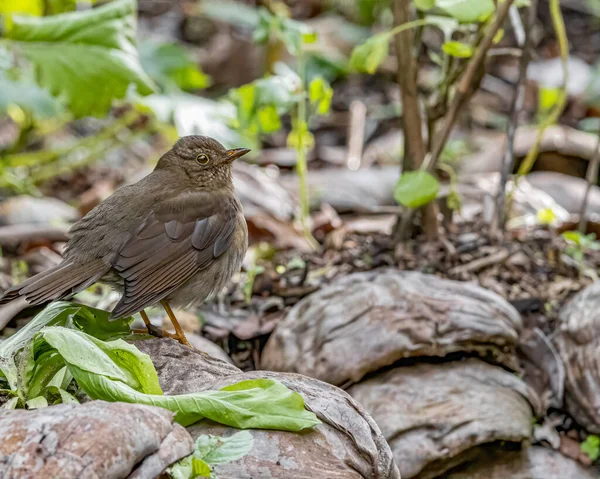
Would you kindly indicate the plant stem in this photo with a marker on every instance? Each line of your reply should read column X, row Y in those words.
column 592, row 179
column 301, row 167
column 469, row 81
column 414, row 146
column 563, row 44
column 508, row 161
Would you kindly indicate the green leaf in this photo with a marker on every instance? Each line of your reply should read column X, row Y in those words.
column 87, row 58
column 59, row 313
column 467, row 11
column 200, row 468
column 546, row 216
column 591, row 447
column 573, row 237
column 424, row 5
column 170, row 66
column 116, row 360
column 367, row 56
column 300, row 137
column 416, row 188
column 28, row 7
column 319, row 95
column 67, row 397
column 268, row 119
column 547, row 98
column 37, row 403
column 11, row 403
column 457, row 49
column 221, row 450
column 28, row 96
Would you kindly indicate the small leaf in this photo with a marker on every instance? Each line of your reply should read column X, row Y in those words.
column 546, row 216
column 12, row 403
column 200, row 468
column 221, row 450
column 300, row 137
column 498, row 36
column 416, row 188
column 467, row 11
column 37, row 403
column 547, row 98
column 424, row 5
column 458, row 49
column 268, row 119
column 591, row 447
column 573, row 237
column 67, row 397
column 320, row 94
column 367, row 56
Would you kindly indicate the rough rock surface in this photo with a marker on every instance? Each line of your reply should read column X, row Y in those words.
column 348, row 444
column 434, row 415
column 406, row 314
column 96, row 440
column 531, row 463
column 578, row 343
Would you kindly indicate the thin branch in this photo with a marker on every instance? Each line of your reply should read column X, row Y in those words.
column 469, row 80
column 508, row 161
column 414, row 147
column 592, row 178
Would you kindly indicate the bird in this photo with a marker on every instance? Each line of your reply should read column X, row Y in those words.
column 174, row 238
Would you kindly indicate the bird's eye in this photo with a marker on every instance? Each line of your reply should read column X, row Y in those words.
column 202, row 159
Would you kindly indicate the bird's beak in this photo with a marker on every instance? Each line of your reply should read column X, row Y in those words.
column 235, row 153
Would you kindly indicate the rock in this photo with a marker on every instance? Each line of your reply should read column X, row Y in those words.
column 27, row 209
column 95, row 440
column 348, row 444
column 530, row 463
column 578, row 343
column 406, row 314
column 435, row 416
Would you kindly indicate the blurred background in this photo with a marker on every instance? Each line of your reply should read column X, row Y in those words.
column 457, row 139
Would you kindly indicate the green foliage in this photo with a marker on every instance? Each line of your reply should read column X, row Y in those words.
column 467, row 11
column 14, row 355
column 416, row 188
column 211, row 450
column 424, row 5
column 170, row 66
column 293, row 34
column 85, row 58
column 367, row 56
column 457, row 49
column 547, row 100
column 591, row 447
column 546, row 216
column 320, row 94
column 578, row 243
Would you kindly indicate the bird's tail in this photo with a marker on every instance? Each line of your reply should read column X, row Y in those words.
column 60, row 282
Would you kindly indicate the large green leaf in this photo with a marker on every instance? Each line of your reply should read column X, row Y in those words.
column 260, row 403
column 416, row 188
column 60, row 313
column 87, row 58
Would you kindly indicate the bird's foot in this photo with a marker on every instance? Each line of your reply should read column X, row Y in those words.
column 160, row 333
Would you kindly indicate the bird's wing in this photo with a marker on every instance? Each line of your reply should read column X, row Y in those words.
column 179, row 239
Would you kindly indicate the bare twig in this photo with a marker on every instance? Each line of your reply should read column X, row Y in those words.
column 592, row 178
column 508, row 161
column 469, row 81
column 414, row 146
column 480, row 263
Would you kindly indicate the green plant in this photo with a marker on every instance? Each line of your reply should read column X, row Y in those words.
column 209, row 451
column 469, row 29
column 577, row 243
column 53, row 355
column 591, row 447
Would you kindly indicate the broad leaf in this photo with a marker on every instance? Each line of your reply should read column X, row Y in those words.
column 467, row 11
column 37, row 403
column 87, row 58
column 416, row 188
column 28, row 96
column 424, row 4
column 458, row 49
column 367, row 56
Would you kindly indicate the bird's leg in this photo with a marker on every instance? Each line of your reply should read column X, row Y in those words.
column 153, row 330
column 179, row 334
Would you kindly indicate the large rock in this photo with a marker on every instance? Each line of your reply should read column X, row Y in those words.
column 96, row 440
column 348, row 443
column 530, row 463
column 434, row 416
column 366, row 321
column 578, row 343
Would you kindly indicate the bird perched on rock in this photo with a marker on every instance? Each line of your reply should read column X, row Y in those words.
column 175, row 237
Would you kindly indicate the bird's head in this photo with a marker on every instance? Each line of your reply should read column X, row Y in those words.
column 204, row 160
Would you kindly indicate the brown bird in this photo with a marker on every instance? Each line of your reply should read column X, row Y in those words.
column 175, row 237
